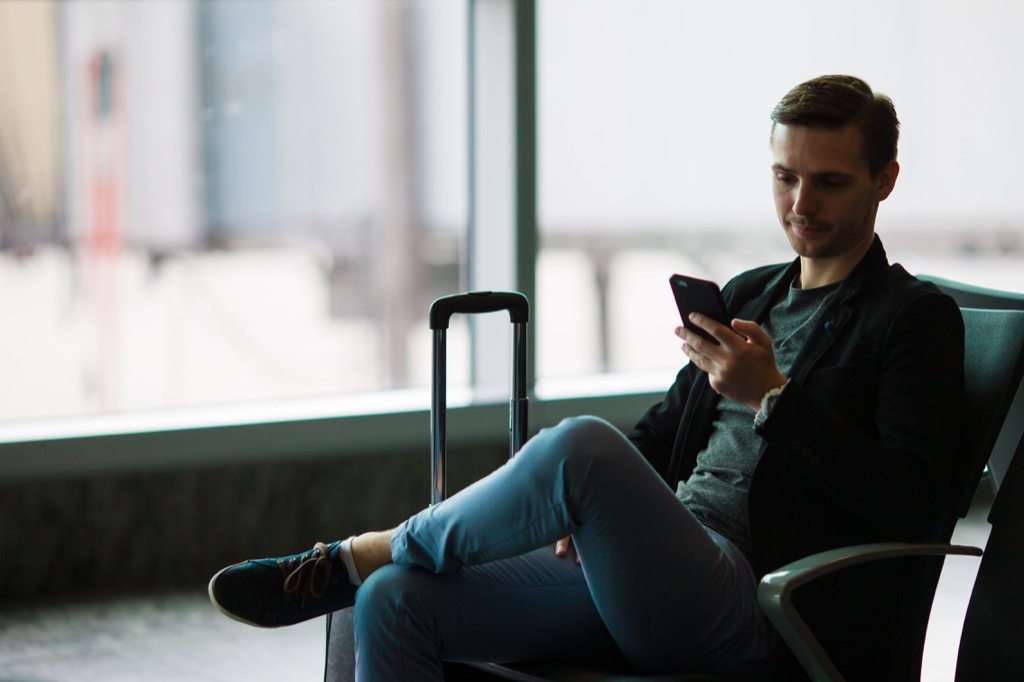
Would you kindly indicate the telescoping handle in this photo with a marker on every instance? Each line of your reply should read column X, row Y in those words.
column 475, row 302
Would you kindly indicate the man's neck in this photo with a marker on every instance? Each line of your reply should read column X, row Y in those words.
column 814, row 274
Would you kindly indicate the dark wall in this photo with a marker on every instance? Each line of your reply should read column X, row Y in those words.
column 171, row 529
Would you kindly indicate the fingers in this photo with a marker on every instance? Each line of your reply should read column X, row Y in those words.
column 741, row 366
column 752, row 331
column 696, row 346
column 719, row 333
column 743, row 331
column 562, row 546
column 691, row 346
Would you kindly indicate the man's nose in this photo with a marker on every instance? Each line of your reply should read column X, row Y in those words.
column 805, row 201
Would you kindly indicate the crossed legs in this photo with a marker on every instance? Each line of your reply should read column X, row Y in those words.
column 468, row 581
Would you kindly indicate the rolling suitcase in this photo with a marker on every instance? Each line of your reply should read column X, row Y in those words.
column 440, row 314
column 339, row 664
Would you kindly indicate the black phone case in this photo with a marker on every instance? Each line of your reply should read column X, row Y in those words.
column 698, row 295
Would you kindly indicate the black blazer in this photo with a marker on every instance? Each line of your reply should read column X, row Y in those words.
column 860, row 446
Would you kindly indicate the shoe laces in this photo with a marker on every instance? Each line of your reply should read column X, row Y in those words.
column 309, row 574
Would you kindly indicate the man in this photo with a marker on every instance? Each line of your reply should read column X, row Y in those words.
column 825, row 414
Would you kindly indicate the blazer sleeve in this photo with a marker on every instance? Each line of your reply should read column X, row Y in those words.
column 892, row 468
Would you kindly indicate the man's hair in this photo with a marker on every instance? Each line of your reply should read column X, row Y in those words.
column 835, row 101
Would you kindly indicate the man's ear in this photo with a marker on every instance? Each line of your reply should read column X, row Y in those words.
column 886, row 180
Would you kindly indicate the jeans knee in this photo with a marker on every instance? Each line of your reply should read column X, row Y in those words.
column 569, row 451
column 586, row 437
column 390, row 598
column 587, row 427
column 396, row 635
column 385, row 593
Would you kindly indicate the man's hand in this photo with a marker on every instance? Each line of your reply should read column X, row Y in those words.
column 741, row 366
column 564, row 548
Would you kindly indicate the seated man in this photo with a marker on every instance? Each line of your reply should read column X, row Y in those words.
column 826, row 414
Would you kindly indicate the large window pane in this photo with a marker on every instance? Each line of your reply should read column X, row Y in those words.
column 223, row 201
column 653, row 153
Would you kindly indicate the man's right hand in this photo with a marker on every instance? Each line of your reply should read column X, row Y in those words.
column 564, row 548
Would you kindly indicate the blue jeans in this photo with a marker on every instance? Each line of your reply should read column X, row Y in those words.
column 475, row 578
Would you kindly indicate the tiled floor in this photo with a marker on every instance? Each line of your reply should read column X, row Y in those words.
column 181, row 637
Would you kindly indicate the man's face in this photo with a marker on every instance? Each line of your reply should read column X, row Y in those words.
column 825, row 196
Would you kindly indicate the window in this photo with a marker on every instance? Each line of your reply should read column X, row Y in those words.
column 653, row 155
column 215, row 201
column 218, row 201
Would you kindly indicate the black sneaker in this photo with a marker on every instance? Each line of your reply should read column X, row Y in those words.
column 269, row 593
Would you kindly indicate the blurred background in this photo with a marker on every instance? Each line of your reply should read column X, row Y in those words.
column 215, row 202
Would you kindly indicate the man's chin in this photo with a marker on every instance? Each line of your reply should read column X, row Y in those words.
column 809, row 247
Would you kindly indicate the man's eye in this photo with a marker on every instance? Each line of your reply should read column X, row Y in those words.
column 784, row 179
column 835, row 182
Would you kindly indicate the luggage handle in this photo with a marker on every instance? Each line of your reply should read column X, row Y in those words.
column 475, row 302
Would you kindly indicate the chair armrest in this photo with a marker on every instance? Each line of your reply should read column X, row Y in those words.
column 775, row 593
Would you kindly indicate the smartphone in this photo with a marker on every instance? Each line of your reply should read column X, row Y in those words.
column 698, row 296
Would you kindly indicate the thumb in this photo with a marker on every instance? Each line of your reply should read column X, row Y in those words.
column 752, row 331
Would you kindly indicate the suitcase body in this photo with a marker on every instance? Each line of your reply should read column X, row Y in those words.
column 441, row 312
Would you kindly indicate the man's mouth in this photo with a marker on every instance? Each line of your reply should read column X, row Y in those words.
column 805, row 229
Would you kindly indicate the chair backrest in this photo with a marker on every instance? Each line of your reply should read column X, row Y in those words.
column 992, row 641
column 993, row 367
column 986, row 335
column 971, row 296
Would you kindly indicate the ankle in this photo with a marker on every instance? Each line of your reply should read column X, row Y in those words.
column 371, row 551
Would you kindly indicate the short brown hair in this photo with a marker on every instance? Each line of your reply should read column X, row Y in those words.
column 835, row 101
